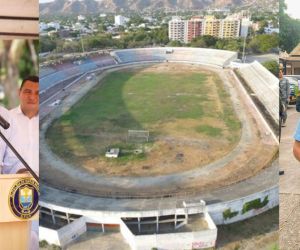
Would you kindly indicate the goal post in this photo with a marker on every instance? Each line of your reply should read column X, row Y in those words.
column 138, row 136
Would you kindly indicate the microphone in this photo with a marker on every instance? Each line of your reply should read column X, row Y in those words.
column 3, row 123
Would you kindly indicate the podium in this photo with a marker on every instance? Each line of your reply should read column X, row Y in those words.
column 18, row 207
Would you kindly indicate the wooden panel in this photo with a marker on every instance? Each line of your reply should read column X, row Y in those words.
column 25, row 28
column 19, row 8
column 19, row 19
column 14, row 235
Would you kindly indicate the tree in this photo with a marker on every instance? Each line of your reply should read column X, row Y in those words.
column 272, row 66
column 204, row 42
column 18, row 60
column 175, row 43
column 47, row 44
column 289, row 35
column 263, row 43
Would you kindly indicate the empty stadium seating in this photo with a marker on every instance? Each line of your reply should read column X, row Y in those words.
column 264, row 85
column 196, row 55
column 50, row 76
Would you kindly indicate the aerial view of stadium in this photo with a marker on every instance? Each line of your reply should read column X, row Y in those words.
column 164, row 141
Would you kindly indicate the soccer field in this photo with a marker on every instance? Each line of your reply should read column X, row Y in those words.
column 188, row 113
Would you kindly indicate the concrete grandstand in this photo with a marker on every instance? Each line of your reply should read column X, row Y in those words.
column 185, row 205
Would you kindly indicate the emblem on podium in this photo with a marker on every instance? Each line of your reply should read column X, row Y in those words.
column 24, row 198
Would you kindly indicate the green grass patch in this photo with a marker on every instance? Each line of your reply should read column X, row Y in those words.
column 209, row 130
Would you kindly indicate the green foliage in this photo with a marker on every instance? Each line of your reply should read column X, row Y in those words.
column 98, row 41
column 25, row 63
column 274, row 247
column 227, row 214
column 289, row 35
column 264, row 43
column 204, row 41
column 175, row 44
column 254, row 204
column 272, row 66
column 43, row 243
column 55, row 247
column 47, row 44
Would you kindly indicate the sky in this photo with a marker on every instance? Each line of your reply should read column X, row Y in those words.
column 293, row 8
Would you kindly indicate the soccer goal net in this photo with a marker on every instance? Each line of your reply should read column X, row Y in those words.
column 138, row 136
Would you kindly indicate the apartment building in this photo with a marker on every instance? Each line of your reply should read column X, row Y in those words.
column 186, row 30
column 230, row 28
column 177, row 29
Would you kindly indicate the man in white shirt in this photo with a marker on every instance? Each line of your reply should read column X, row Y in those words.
column 23, row 134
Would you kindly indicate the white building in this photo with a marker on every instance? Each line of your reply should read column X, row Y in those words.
column 270, row 29
column 245, row 23
column 43, row 26
column 177, row 29
column 78, row 26
column 121, row 20
column 54, row 25
column 81, row 18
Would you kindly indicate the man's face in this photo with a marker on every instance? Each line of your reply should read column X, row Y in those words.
column 280, row 74
column 29, row 97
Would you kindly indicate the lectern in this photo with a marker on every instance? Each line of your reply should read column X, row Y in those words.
column 18, row 206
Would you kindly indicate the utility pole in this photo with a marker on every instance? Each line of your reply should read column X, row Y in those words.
column 81, row 44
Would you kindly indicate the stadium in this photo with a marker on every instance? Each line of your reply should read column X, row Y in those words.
column 194, row 136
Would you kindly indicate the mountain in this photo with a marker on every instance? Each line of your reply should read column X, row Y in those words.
column 100, row 6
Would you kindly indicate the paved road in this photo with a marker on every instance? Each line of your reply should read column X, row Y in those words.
column 289, row 187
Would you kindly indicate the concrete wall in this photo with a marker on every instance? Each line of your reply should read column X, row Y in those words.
column 173, row 241
column 64, row 235
column 71, row 231
column 216, row 210
column 49, row 235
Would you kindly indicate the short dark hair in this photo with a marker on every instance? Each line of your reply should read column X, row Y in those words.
column 31, row 79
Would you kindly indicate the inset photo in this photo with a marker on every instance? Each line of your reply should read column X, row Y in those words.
column 19, row 144
column 159, row 125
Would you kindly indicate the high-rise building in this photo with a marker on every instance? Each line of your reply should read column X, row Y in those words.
column 212, row 26
column 230, row 28
column 121, row 20
column 177, row 29
column 245, row 24
column 194, row 28
column 186, row 30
